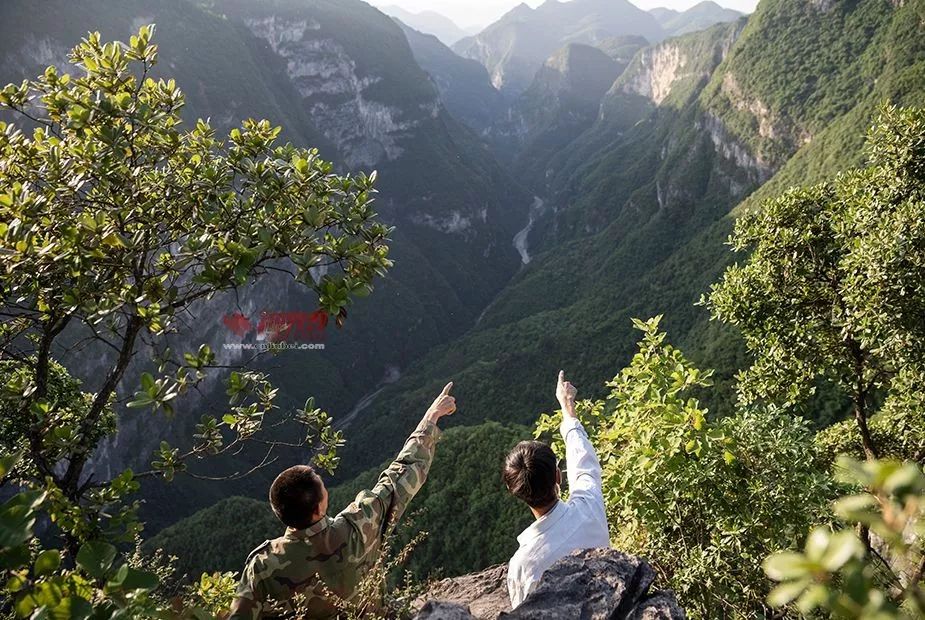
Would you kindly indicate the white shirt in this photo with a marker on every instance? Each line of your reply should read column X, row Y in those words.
column 579, row 523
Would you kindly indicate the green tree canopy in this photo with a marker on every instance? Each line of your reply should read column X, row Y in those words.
column 116, row 221
column 704, row 501
column 834, row 286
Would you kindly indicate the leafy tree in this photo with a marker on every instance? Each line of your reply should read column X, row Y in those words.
column 704, row 501
column 836, row 573
column 116, row 221
column 834, row 287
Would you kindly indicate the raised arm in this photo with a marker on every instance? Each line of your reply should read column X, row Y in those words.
column 373, row 511
column 581, row 463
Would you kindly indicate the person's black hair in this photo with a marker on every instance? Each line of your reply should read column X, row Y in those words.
column 530, row 474
column 295, row 495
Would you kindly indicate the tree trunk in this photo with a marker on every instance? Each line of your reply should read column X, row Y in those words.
column 860, row 415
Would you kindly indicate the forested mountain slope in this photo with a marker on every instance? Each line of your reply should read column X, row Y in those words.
column 640, row 206
column 636, row 201
column 340, row 76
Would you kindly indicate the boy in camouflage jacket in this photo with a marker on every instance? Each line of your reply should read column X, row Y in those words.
column 320, row 556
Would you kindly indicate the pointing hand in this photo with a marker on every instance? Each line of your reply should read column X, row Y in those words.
column 565, row 394
column 443, row 405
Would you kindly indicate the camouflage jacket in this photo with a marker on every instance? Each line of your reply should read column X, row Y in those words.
column 333, row 555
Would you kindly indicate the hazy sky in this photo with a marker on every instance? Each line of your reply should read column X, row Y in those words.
column 482, row 12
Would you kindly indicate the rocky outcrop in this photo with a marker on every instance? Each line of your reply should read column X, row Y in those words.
column 662, row 65
column 679, row 64
column 479, row 595
column 593, row 583
column 733, row 150
column 365, row 130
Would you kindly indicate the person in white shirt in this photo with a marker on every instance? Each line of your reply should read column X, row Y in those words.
column 532, row 475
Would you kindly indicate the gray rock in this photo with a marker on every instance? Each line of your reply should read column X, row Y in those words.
column 441, row 610
column 593, row 584
column 484, row 594
column 659, row 606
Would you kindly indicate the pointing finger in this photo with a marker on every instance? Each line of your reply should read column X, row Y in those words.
column 561, row 376
column 447, row 388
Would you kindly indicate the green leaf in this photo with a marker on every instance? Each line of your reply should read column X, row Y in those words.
column 124, row 100
column 843, row 546
column 815, row 596
column 139, row 580
column 143, row 400
column 16, row 523
column 786, row 565
column 7, row 463
column 96, row 558
column 70, row 608
column 816, row 543
column 15, row 557
column 855, row 507
column 785, row 593
column 47, row 562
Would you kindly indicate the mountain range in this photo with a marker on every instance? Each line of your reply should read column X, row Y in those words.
column 567, row 169
column 514, row 47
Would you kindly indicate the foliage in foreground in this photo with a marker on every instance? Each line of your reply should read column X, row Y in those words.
column 704, row 501
column 116, row 224
column 836, row 573
column 104, row 583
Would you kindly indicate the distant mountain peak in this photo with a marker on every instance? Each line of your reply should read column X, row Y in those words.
column 698, row 17
column 427, row 22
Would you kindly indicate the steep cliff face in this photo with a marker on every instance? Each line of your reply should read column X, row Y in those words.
column 651, row 118
column 342, row 102
column 670, row 72
column 673, row 74
column 357, row 78
column 661, row 67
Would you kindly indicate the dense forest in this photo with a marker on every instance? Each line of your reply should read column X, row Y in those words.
column 716, row 223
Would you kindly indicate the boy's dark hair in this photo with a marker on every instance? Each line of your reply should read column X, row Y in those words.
column 530, row 473
column 295, row 495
